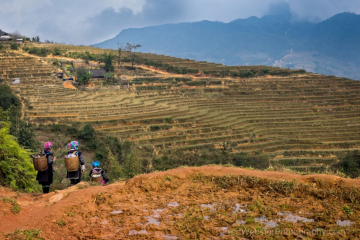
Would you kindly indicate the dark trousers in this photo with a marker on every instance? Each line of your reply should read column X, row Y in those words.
column 74, row 181
column 46, row 188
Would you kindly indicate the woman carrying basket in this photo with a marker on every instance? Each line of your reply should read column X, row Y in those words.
column 97, row 174
column 75, row 176
column 45, row 177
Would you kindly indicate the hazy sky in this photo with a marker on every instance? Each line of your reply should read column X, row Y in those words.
column 92, row 21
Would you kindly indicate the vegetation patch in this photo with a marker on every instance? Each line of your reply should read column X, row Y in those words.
column 34, row 234
column 16, row 208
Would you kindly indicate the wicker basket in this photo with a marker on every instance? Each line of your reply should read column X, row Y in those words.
column 72, row 163
column 40, row 162
column 96, row 177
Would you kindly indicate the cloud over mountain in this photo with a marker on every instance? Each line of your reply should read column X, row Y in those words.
column 90, row 21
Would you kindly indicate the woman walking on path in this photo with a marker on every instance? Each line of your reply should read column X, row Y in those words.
column 75, row 177
column 98, row 170
column 45, row 178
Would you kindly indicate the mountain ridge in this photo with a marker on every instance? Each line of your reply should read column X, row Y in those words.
column 257, row 41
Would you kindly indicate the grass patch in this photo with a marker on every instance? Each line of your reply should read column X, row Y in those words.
column 61, row 223
column 25, row 235
column 16, row 208
column 346, row 209
column 322, row 189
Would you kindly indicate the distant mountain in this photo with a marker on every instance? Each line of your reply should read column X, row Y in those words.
column 329, row 47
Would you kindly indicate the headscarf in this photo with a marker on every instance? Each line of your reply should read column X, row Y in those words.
column 48, row 145
column 95, row 164
column 73, row 145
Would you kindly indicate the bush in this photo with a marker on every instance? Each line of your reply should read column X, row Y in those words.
column 87, row 133
column 89, row 136
column 14, row 46
column 154, row 128
column 132, row 165
column 16, row 170
column 82, row 76
column 259, row 161
column 42, row 52
column 350, row 164
column 7, row 98
column 1, row 46
column 26, row 136
column 56, row 51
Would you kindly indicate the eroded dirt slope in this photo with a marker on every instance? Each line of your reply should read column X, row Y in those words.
column 210, row 202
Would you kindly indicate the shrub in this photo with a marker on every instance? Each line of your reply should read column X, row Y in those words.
column 350, row 164
column 259, row 161
column 168, row 120
column 14, row 46
column 132, row 165
column 42, row 52
column 26, row 136
column 83, row 76
column 7, row 98
column 16, row 170
column 1, row 46
column 88, row 134
column 56, row 63
column 154, row 128
column 56, row 51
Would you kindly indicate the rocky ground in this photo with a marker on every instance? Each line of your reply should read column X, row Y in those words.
column 210, row 202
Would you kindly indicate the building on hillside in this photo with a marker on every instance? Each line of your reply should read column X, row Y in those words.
column 20, row 40
column 97, row 73
column 4, row 36
column 16, row 81
column 60, row 74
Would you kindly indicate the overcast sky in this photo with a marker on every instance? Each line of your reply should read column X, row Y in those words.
column 92, row 21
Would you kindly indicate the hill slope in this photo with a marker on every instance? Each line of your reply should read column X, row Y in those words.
column 303, row 121
column 206, row 202
column 329, row 47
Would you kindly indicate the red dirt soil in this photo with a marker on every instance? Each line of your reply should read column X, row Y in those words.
column 84, row 211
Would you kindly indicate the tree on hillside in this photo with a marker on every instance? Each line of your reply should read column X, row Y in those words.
column 35, row 39
column 133, row 56
column 120, row 48
column 108, row 58
column 17, row 35
column 82, row 75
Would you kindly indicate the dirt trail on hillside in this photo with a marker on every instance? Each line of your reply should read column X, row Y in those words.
column 209, row 202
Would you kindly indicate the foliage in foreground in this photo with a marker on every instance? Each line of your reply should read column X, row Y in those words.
column 16, row 170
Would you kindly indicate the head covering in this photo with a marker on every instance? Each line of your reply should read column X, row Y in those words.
column 73, row 145
column 95, row 164
column 48, row 145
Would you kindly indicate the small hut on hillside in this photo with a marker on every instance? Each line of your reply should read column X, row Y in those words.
column 4, row 36
column 97, row 73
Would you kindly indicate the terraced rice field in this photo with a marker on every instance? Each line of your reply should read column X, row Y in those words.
column 303, row 121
